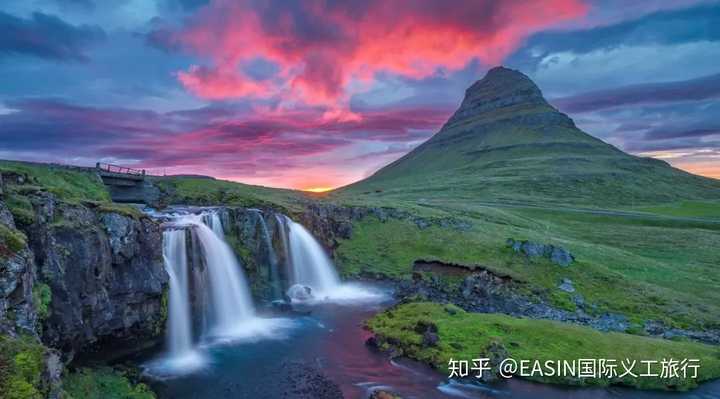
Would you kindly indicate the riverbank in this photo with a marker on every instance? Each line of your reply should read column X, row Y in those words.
column 434, row 334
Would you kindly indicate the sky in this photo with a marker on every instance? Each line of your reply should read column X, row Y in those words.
column 317, row 94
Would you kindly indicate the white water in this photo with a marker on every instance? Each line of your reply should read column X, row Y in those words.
column 182, row 355
column 179, row 331
column 312, row 267
column 225, row 304
column 230, row 299
column 310, row 264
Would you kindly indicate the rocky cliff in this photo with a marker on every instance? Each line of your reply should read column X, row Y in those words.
column 79, row 275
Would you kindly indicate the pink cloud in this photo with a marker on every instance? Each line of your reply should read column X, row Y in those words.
column 321, row 47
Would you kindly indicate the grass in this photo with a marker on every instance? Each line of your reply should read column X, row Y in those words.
column 469, row 336
column 69, row 184
column 42, row 296
column 11, row 241
column 21, row 367
column 698, row 209
column 647, row 268
column 103, row 383
column 525, row 152
column 204, row 191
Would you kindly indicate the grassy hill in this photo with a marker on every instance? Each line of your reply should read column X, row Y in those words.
column 507, row 144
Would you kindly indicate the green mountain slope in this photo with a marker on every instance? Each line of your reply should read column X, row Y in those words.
column 507, row 143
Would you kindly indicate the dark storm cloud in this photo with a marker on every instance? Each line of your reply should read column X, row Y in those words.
column 688, row 90
column 46, row 36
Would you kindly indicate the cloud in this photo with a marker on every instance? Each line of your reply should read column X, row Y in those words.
column 321, row 47
column 46, row 36
column 662, row 28
column 269, row 145
column 687, row 90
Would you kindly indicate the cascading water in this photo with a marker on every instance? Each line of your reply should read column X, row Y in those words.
column 312, row 268
column 272, row 259
column 179, row 331
column 310, row 264
column 230, row 298
column 213, row 221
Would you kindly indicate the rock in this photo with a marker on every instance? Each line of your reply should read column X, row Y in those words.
column 566, row 285
column 496, row 353
column 300, row 292
column 105, row 275
column 53, row 373
column 382, row 394
column 561, row 257
column 532, row 249
column 372, row 343
column 555, row 254
column 306, row 381
column 430, row 339
column 17, row 278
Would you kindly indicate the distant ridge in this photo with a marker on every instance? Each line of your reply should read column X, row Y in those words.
column 507, row 143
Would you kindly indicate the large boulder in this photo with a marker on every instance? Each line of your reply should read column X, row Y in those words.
column 555, row 254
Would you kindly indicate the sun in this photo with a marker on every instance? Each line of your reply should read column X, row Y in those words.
column 318, row 189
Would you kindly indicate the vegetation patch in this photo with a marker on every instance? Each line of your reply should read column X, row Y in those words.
column 699, row 209
column 70, row 184
column 464, row 335
column 208, row 191
column 11, row 241
column 21, row 368
column 103, row 383
column 42, row 296
column 644, row 267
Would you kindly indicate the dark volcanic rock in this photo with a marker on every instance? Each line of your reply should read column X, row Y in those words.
column 555, row 254
column 105, row 273
column 486, row 292
column 383, row 394
column 17, row 276
column 306, row 381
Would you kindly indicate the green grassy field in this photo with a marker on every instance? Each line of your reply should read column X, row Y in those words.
column 103, row 383
column 697, row 209
column 203, row 191
column 68, row 184
column 647, row 268
column 469, row 336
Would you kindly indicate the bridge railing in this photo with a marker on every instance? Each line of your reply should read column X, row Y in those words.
column 106, row 167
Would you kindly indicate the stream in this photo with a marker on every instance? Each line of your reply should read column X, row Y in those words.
column 332, row 338
column 220, row 345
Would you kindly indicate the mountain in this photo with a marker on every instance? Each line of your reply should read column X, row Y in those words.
column 507, row 143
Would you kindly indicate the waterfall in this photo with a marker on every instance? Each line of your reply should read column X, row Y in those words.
column 220, row 290
column 213, row 221
column 179, row 331
column 282, row 227
column 230, row 298
column 311, row 266
column 272, row 259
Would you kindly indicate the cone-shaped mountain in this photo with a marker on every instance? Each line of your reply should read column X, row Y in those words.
column 507, row 143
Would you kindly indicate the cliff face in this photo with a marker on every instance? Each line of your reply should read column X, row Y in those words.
column 89, row 277
column 105, row 273
column 17, row 276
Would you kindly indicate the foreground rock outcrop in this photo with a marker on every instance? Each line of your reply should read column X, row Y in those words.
column 78, row 273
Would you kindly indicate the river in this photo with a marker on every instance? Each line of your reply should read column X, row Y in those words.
column 332, row 337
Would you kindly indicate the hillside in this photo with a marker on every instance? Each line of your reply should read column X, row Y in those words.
column 506, row 143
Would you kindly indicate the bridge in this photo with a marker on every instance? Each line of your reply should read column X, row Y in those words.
column 128, row 185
